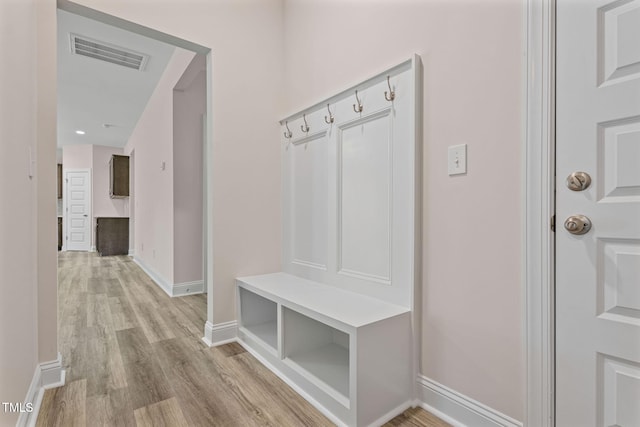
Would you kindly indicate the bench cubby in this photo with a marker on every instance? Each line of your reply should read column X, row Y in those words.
column 259, row 319
column 348, row 354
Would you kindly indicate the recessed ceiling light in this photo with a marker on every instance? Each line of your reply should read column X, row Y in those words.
column 80, row 132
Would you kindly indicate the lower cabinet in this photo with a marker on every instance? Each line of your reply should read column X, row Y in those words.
column 112, row 236
column 347, row 354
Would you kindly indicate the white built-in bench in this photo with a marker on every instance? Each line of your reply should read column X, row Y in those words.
column 347, row 353
column 336, row 324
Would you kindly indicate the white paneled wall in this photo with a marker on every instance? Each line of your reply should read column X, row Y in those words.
column 349, row 181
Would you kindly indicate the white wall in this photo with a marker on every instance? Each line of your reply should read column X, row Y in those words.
column 472, row 338
column 152, row 140
column 27, row 219
column 189, row 106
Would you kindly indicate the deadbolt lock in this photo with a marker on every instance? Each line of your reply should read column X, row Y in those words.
column 578, row 181
column 577, row 224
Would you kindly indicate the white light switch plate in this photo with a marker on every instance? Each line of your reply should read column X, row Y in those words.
column 457, row 163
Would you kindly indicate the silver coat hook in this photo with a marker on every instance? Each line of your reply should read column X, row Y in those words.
column 359, row 109
column 392, row 94
column 330, row 119
column 288, row 134
column 305, row 127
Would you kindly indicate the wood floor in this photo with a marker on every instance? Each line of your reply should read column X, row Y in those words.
column 134, row 357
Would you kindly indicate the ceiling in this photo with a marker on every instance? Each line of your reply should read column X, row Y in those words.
column 102, row 99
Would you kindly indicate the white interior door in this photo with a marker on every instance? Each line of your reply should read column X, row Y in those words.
column 78, row 201
column 598, row 273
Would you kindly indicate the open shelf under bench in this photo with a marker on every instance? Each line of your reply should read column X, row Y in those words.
column 348, row 354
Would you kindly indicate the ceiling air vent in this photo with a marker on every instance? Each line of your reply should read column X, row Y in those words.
column 85, row 46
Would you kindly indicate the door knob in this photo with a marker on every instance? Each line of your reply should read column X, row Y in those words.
column 578, row 181
column 577, row 224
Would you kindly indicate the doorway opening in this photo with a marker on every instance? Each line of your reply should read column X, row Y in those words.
column 129, row 91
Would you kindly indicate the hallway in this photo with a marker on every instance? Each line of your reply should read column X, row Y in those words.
column 133, row 356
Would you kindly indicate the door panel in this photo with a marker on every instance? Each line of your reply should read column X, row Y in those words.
column 78, row 211
column 364, row 205
column 598, row 273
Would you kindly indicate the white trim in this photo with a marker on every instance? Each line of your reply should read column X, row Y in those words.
column 93, row 249
column 221, row 333
column 187, row 288
column 52, row 374
column 34, row 396
column 538, row 209
column 156, row 277
column 46, row 375
column 131, row 252
column 171, row 289
column 208, row 189
column 458, row 409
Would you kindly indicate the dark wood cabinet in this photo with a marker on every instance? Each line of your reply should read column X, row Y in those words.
column 112, row 236
column 59, row 232
column 119, row 176
column 59, row 181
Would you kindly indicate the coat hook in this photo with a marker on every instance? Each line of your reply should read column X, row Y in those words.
column 392, row 94
column 330, row 119
column 305, row 127
column 359, row 109
column 288, row 134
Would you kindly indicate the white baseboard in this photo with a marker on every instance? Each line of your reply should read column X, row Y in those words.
column 221, row 333
column 52, row 374
column 188, row 288
column 47, row 375
column 171, row 289
column 92, row 249
column 131, row 252
column 458, row 409
column 160, row 281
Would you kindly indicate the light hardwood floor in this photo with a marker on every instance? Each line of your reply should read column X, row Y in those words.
column 134, row 357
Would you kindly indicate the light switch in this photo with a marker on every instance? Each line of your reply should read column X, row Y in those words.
column 457, row 159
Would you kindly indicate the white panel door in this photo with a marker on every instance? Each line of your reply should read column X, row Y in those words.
column 78, row 212
column 598, row 273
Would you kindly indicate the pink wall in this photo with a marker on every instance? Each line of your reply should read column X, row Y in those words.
column 152, row 140
column 28, row 309
column 47, row 224
column 18, row 305
column 246, row 98
column 77, row 157
column 103, row 205
column 189, row 106
column 472, row 52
